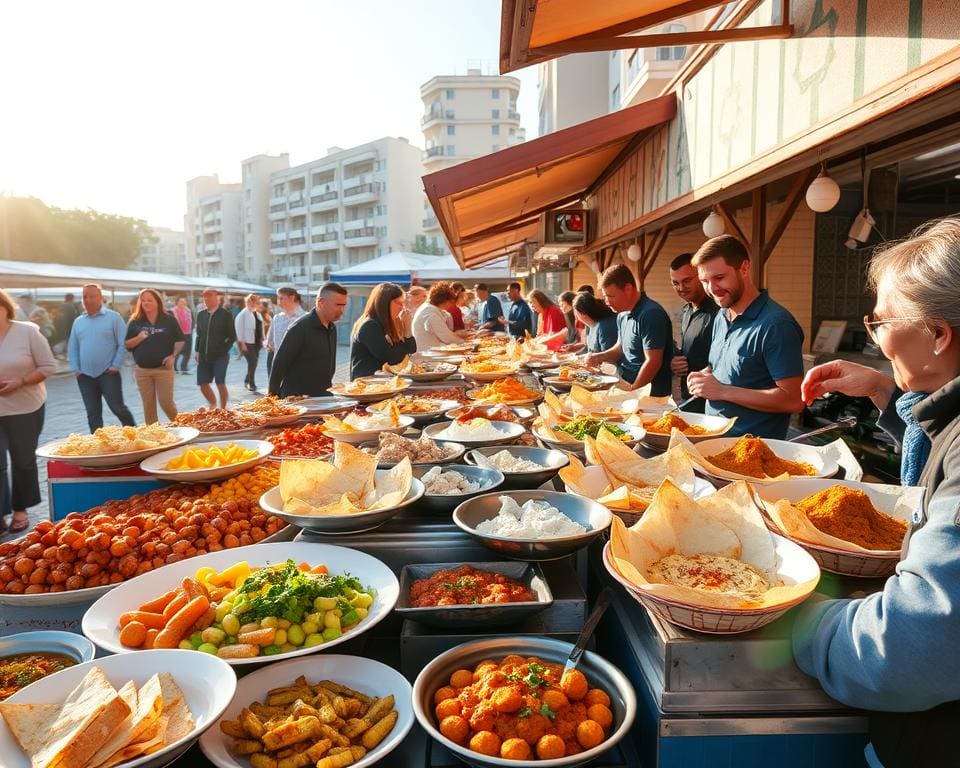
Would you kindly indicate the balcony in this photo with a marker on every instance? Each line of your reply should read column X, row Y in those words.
column 278, row 237
column 296, row 200
column 511, row 115
column 360, row 236
column 357, row 224
column 324, row 202
column 430, row 222
column 362, row 193
column 211, row 259
column 436, row 114
column 278, row 250
column 433, row 152
column 361, row 158
column 327, row 242
column 209, row 247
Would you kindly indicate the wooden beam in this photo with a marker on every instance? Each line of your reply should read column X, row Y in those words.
column 655, row 249
column 790, row 203
column 581, row 45
column 727, row 215
column 758, row 233
column 647, row 20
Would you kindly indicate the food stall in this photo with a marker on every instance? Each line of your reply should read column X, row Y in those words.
column 597, row 455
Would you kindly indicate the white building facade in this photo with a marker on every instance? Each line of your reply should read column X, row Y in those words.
column 165, row 252
column 343, row 209
column 465, row 116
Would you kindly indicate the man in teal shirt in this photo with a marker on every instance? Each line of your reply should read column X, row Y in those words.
column 756, row 364
column 95, row 350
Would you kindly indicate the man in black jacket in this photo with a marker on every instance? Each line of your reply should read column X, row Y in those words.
column 307, row 357
column 215, row 336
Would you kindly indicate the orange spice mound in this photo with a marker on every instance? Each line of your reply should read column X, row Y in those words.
column 848, row 514
column 504, row 390
column 752, row 457
column 668, row 421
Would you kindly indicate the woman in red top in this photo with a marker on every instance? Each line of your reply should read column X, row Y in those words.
column 552, row 324
column 455, row 312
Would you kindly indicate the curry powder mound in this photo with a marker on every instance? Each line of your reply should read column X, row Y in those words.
column 752, row 457
column 670, row 420
column 848, row 514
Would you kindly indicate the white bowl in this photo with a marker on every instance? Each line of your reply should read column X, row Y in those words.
column 363, row 675
column 366, row 435
column 70, row 644
column 110, row 460
column 155, row 464
column 873, row 565
column 207, row 683
column 793, row 562
column 511, row 432
column 716, row 426
column 808, row 454
column 483, row 378
column 427, row 416
column 602, row 382
column 100, row 621
column 637, row 434
column 443, row 370
column 334, row 525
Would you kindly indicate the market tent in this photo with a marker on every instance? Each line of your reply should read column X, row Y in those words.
column 403, row 267
column 532, row 31
column 28, row 274
column 492, row 204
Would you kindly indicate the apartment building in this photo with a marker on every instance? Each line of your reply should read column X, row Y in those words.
column 165, row 252
column 577, row 88
column 345, row 208
column 213, row 227
column 568, row 92
column 256, row 173
column 465, row 116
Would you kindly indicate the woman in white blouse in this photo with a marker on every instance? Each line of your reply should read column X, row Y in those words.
column 249, row 327
column 430, row 323
column 25, row 361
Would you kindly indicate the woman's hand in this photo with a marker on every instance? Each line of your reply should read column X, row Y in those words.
column 168, row 361
column 847, row 378
column 11, row 386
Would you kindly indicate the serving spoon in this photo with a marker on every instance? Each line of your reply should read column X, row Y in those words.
column 599, row 608
column 844, row 422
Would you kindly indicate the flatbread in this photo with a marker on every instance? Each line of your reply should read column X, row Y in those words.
column 175, row 709
column 67, row 735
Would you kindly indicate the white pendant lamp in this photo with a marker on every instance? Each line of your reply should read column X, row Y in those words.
column 823, row 193
column 713, row 225
column 633, row 252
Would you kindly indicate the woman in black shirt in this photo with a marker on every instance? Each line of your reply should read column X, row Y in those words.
column 156, row 340
column 382, row 333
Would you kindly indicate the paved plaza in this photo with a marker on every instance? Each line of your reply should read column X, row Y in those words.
column 65, row 412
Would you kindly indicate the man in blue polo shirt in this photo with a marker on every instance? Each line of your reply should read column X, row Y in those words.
column 645, row 344
column 96, row 352
column 755, row 356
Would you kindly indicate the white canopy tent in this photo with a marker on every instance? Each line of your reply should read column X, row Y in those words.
column 404, row 267
column 26, row 274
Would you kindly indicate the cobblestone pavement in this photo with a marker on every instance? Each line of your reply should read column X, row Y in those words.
column 65, row 413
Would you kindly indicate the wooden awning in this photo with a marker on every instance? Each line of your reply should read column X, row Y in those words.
column 532, row 31
column 489, row 206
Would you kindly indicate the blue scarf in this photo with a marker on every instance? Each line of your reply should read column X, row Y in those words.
column 916, row 445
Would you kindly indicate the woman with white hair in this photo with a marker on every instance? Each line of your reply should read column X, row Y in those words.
column 895, row 652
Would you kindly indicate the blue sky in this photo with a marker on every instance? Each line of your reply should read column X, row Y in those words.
column 114, row 105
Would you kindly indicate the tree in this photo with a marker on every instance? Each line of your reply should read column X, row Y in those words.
column 30, row 230
column 428, row 247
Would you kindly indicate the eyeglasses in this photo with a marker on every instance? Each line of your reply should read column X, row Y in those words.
column 870, row 323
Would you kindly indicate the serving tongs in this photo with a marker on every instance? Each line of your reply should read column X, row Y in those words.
column 844, row 422
column 599, row 608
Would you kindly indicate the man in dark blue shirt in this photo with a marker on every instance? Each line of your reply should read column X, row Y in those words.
column 520, row 320
column 646, row 334
column 756, row 364
column 696, row 326
column 491, row 313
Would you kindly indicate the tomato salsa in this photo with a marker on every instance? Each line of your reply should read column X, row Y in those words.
column 467, row 586
column 21, row 669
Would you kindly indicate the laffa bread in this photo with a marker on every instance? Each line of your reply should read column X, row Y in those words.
column 68, row 735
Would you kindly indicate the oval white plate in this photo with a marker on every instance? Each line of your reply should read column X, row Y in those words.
column 100, row 621
column 155, row 464
column 109, row 460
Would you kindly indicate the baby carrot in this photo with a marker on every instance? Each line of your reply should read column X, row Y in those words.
column 178, row 626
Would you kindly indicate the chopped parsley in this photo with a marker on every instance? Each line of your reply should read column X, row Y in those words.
column 288, row 593
column 547, row 712
column 525, row 712
column 587, row 425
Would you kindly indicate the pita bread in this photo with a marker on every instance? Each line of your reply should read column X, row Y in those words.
column 68, row 735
